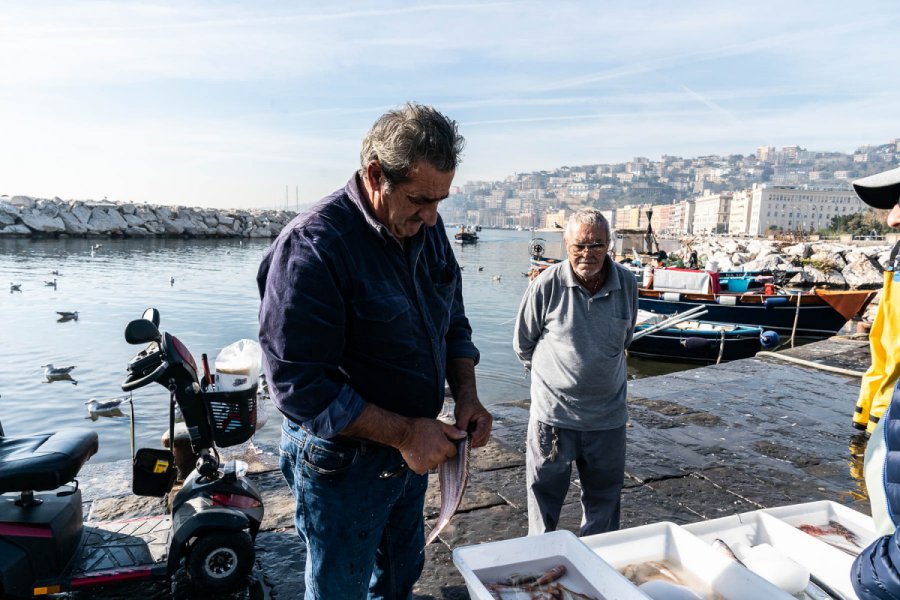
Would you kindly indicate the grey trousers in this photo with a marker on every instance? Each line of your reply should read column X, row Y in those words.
column 600, row 458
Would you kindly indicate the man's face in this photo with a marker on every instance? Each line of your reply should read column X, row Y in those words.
column 407, row 206
column 586, row 246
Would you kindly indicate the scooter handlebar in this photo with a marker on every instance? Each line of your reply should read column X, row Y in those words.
column 131, row 383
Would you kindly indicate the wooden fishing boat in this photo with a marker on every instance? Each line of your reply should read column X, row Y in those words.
column 815, row 314
column 699, row 341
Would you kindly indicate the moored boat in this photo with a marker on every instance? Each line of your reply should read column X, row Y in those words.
column 815, row 314
column 699, row 340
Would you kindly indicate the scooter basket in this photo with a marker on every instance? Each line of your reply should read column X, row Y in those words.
column 233, row 415
column 153, row 472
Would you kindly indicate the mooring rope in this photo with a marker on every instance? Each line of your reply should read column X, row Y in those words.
column 809, row 363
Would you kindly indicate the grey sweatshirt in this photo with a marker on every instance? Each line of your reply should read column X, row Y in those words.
column 574, row 344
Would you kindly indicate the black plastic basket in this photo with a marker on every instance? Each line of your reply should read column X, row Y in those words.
column 232, row 415
column 153, row 472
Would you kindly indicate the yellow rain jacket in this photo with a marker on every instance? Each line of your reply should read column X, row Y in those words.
column 884, row 339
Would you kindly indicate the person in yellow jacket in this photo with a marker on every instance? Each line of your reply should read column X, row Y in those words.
column 882, row 191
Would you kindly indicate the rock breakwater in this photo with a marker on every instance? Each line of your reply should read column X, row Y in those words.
column 23, row 216
column 819, row 263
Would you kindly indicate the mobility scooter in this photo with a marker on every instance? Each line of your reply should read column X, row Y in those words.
column 46, row 548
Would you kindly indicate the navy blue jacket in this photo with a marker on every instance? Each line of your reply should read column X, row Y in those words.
column 348, row 315
column 876, row 571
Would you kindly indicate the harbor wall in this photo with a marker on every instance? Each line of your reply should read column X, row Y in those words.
column 23, row 216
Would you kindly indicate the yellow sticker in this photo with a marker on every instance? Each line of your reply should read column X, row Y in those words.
column 161, row 466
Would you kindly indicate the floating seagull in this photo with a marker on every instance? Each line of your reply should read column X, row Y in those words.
column 58, row 374
column 496, row 278
column 54, row 272
column 50, row 283
column 67, row 316
column 481, row 268
column 15, row 287
column 101, row 405
column 51, row 371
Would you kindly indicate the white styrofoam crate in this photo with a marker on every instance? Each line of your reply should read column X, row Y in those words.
column 586, row 572
column 819, row 513
column 752, row 528
column 670, row 543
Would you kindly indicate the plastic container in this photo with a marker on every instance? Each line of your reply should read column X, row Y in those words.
column 586, row 572
column 823, row 512
column 759, row 528
column 670, row 544
column 238, row 366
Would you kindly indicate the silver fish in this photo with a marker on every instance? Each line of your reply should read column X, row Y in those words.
column 453, row 475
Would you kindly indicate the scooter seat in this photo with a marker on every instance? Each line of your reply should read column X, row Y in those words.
column 44, row 461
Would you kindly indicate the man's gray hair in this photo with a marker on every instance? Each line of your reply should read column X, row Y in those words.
column 414, row 133
column 588, row 216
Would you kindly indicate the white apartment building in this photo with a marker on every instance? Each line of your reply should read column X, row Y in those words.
column 739, row 219
column 682, row 219
column 711, row 213
column 796, row 209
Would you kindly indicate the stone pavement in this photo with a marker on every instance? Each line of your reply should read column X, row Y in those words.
column 702, row 444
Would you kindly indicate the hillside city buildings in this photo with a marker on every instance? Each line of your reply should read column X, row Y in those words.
column 786, row 190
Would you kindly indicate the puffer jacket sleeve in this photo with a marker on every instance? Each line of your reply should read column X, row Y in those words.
column 874, row 574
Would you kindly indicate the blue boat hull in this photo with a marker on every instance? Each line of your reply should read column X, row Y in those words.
column 702, row 346
column 817, row 321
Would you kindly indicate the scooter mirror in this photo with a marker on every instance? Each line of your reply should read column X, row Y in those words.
column 141, row 331
column 152, row 315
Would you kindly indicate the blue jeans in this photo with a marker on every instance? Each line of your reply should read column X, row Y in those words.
column 360, row 516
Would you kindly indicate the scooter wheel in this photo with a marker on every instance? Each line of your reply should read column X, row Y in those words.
column 219, row 561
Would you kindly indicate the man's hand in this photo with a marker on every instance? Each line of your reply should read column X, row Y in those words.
column 423, row 443
column 471, row 413
column 428, row 443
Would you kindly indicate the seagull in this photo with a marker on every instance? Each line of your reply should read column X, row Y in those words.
column 51, row 371
column 481, row 268
column 92, row 252
column 172, row 280
column 15, row 287
column 54, row 272
column 65, row 315
column 50, row 283
column 98, row 407
column 496, row 278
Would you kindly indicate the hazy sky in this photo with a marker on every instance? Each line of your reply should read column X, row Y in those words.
column 227, row 103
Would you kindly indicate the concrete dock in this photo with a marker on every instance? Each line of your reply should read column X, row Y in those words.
column 702, row 443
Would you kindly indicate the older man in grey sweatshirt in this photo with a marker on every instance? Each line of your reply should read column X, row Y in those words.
column 574, row 324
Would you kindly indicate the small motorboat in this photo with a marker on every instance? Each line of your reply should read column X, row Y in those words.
column 695, row 340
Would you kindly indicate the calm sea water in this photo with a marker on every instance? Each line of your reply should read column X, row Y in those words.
column 212, row 303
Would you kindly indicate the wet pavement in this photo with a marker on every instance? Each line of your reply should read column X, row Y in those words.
column 702, row 444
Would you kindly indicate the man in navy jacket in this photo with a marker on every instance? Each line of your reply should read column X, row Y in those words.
column 361, row 322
